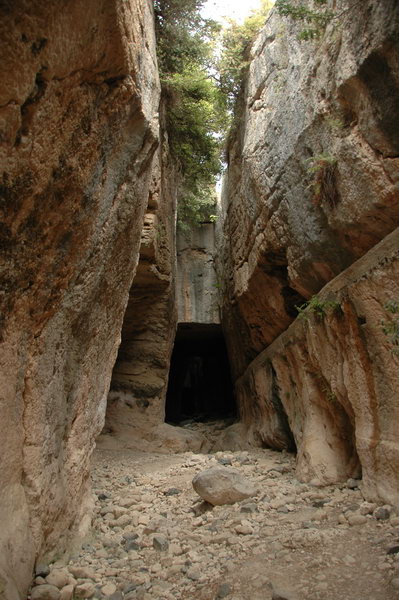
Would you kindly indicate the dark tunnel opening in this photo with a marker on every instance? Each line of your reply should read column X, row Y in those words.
column 200, row 386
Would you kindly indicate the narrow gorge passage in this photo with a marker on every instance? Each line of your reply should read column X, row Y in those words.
column 200, row 386
column 154, row 328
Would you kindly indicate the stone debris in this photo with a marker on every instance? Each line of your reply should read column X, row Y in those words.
column 306, row 540
column 45, row 592
column 222, row 485
column 160, row 543
column 58, row 577
column 42, row 570
column 279, row 593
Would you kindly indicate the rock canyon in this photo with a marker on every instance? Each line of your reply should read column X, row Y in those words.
column 135, row 355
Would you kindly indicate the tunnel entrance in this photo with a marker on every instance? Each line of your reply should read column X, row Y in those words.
column 200, row 386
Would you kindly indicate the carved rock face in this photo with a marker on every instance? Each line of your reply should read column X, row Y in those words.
column 312, row 173
column 79, row 98
column 311, row 188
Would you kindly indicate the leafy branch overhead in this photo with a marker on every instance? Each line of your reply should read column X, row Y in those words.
column 235, row 45
column 201, row 69
column 194, row 112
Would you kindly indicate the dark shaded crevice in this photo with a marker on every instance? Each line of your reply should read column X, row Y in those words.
column 377, row 75
column 282, row 415
column 200, row 387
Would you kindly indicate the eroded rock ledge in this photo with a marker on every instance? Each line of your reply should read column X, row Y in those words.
column 335, row 376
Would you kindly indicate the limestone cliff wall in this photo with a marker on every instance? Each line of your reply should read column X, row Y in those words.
column 309, row 203
column 79, row 98
column 136, row 401
column 313, row 167
column 197, row 286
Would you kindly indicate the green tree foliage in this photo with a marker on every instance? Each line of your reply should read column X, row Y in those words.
column 201, row 69
column 194, row 111
column 236, row 41
column 315, row 19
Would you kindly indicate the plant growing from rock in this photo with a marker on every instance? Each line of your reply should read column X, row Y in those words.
column 391, row 327
column 315, row 15
column 317, row 307
column 323, row 171
column 235, row 44
column 315, row 19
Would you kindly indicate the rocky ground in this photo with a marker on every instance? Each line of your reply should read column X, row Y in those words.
column 154, row 539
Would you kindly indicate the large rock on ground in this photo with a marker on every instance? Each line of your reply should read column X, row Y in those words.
column 220, row 485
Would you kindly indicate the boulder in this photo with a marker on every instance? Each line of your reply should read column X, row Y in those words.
column 221, row 485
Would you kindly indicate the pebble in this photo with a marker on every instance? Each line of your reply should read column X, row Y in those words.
column 45, row 592
column 67, row 592
column 58, row 577
column 42, row 570
column 395, row 583
column 84, row 590
column 160, row 543
column 352, row 484
column 82, row 572
column 382, row 513
column 116, row 596
column 194, row 574
column 172, row 492
column 244, row 528
column 356, row 519
column 224, row 590
column 249, row 508
column 367, row 508
column 108, row 589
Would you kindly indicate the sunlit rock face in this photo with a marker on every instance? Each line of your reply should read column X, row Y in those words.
column 79, row 100
column 312, row 186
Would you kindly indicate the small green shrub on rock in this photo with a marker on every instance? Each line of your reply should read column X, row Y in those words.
column 391, row 328
column 317, row 307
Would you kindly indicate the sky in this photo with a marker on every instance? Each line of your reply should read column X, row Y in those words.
column 236, row 9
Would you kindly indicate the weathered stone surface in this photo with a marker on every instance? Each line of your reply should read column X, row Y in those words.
column 222, row 485
column 336, row 379
column 196, row 283
column 84, row 590
column 136, row 401
column 288, row 229
column 58, row 577
column 45, row 592
column 79, row 102
column 311, row 190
